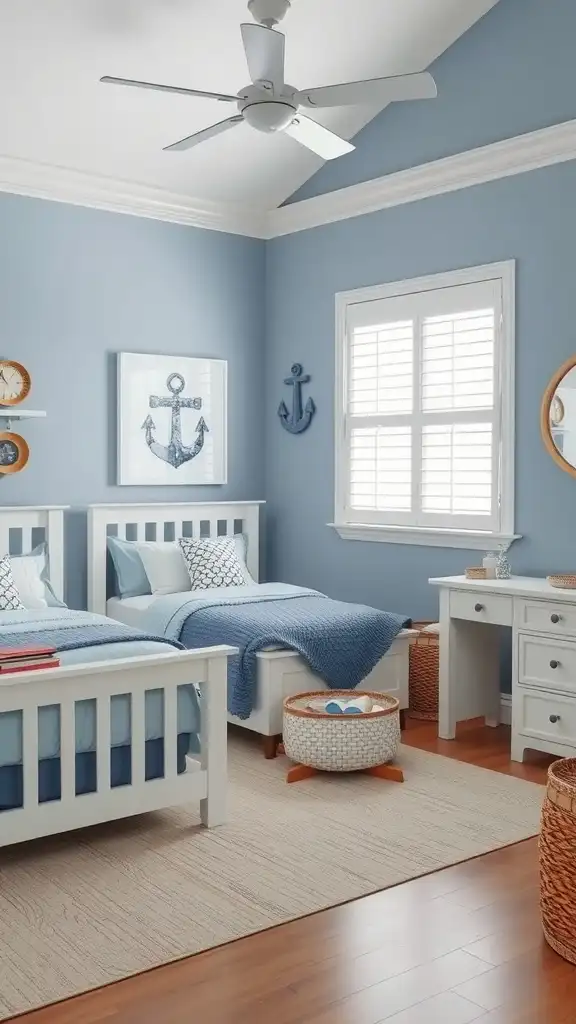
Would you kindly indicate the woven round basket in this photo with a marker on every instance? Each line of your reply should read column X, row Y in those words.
column 423, row 683
column 558, row 859
column 341, row 743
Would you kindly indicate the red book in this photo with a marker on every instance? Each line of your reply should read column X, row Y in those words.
column 14, row 653
column 26, row 660
column 29, row 668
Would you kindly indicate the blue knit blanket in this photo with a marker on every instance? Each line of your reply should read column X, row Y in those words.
column 341, row 642
column 67, row 630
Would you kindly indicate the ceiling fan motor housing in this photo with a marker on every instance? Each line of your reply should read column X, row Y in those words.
column 268, row 12
column 267, row 113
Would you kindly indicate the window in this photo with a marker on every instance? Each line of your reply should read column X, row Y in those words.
column 425, row 410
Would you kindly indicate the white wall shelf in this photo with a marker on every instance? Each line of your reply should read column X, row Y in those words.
column 14, row 413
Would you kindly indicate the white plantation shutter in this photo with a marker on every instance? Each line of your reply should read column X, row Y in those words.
column 421, row 434
column 381, row 468
column 458, row 361
column 381, row 369
column 457, row 469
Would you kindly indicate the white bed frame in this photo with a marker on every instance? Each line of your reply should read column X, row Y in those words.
column 206, row 776
column 279, row 673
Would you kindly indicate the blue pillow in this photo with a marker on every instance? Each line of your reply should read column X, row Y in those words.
column 131, row 578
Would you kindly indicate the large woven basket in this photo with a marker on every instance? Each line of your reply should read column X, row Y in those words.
column 558, row 859
column 341, row 743
column 423, row 683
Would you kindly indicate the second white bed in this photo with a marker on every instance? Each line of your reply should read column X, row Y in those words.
column 280, row 672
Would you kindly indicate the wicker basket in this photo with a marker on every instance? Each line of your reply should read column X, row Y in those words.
column 341, row 743
column 424, row 662
column 558, row 859
column 564, row 581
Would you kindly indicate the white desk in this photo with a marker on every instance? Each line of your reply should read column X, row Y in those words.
column 543, row 623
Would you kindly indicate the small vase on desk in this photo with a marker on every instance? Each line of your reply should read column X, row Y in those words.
column 503, row 567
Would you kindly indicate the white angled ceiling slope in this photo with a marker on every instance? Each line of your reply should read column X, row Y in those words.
column 55, row 112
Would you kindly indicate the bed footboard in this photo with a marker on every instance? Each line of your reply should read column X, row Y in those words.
column 205, row 777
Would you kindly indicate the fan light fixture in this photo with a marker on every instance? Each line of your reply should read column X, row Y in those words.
column 269, row 104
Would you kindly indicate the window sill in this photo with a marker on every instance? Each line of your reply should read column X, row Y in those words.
column 471, row 540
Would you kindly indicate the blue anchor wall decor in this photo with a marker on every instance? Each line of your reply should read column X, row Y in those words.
column 299, row 420
column 175, row 453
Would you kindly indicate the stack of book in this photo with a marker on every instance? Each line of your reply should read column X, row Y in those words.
column 27, row 659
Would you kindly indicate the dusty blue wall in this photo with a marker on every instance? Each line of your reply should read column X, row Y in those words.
column 513, row 72
column 79, row 285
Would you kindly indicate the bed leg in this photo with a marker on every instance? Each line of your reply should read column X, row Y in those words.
column 403, row 719
column 270, row 746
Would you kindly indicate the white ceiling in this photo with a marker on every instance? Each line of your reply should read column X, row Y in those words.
column 54, row 110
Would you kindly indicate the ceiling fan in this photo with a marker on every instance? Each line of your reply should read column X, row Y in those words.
column 269, row 104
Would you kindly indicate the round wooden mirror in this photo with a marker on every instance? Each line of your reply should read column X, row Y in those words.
column 558, row 416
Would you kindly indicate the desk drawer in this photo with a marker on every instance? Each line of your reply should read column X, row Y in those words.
column 546, row 662
column 546, row 717
column 546, row 617
column 481, row 607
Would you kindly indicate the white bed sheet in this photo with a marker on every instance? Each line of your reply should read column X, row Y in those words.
column 129, row 610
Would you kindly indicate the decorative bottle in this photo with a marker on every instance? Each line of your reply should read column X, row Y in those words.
column 503, row 567
column 490, row 561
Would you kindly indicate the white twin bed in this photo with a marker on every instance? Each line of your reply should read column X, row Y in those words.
column 103, row 737
column 125, row 728
column 280, row 673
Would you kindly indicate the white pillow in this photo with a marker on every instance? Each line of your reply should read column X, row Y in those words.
column 164, row 566
column 30, row 574
column 26, row 573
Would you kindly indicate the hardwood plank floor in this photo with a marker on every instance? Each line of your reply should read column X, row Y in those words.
column 461, row 945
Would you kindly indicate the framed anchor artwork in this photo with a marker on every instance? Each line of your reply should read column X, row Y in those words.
column 172, row 413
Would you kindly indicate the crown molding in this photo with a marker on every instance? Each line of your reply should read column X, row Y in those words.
column 516, row 155
column 47, row 181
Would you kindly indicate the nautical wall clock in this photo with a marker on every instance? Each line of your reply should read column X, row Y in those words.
column 15, row 382
column 14, row 452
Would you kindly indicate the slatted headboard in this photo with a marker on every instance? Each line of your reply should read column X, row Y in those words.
column 165, row 522
column 22, row 527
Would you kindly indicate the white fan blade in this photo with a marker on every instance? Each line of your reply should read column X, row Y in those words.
column 264, row 54
column 206, row 133
column 317, row 138
column 402, row 87
column 170, row 88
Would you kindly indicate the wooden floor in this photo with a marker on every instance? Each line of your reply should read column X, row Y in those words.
column 460, row 945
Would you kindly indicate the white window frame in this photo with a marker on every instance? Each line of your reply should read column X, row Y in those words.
column 504, row 273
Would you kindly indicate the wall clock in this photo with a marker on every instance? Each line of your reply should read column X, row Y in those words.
column 15, row 382
column 14, row 452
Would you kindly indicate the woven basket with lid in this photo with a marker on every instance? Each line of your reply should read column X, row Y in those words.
column 424, row 665
column 558, row 859
column 341, row 743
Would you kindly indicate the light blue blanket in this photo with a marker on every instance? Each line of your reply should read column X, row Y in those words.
column 67, row 630
column 341, row 642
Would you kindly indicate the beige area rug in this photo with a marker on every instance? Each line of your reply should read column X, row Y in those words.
column 85, row 909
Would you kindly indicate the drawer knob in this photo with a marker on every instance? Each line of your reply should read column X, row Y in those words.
column 554, row 719
column 555, row 618
column 554, row 663
column 478, row 607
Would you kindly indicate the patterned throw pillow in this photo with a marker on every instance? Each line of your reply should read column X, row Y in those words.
column 212, row 563
column 9, row 596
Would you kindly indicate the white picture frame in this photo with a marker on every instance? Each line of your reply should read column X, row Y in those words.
column 172, row 420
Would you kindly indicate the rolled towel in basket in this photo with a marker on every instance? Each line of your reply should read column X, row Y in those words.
column 354, row 706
